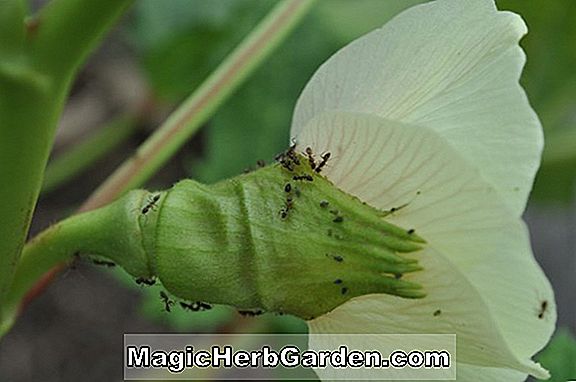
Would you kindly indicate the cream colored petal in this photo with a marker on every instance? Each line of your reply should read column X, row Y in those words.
column 451, row 66
column 470, row 373
column 464, row 373
column 479, row 268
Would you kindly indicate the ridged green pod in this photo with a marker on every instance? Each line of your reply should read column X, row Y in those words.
column 281, row 239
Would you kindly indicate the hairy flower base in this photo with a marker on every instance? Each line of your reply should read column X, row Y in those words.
column 281, row 239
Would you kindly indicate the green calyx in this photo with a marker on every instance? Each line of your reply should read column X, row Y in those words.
column 282, row 239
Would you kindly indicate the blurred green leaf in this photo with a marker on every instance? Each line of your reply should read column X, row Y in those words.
column 180, row 42
column 155, row 23
column 559, row 357
column 550, row 82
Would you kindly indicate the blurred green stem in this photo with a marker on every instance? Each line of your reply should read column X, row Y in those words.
column 200, row 106
column 73, row 162
column 65, row 32
column 12, row 28
column 38, row 60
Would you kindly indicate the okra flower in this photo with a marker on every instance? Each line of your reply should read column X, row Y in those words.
column 427, row 113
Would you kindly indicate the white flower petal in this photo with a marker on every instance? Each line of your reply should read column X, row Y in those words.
column 464, row 373
column 451, row 66
column 470, row 373
column 479, row 269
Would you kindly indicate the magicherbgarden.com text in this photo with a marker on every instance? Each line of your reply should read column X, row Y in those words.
column 290, row 356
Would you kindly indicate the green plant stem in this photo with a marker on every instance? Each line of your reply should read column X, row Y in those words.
column 65, row 32
column 12, row 27
column 188, row 118
column 103, row 231
column 80, row 157
column 33, row 86
column 24, row 137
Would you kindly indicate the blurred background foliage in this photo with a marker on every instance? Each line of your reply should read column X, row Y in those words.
column 550, row 80
column 559, row 357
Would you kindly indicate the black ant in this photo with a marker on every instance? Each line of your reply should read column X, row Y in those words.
column 325, row 158
column 291, row 153
column 145, row 281
column 344, row 290
column 395, row 209
column 437, row 313
column 311, row 160
column 287, row 164
column 288, row 187
column 303, row 177
column 151, row 205
column 337, row 217
column 204, row 306
column 252, row 313
column 288, row 159
column 543, row 309
column 197, row 306
column 337, row 258
column 166, row 300
column 260, row 163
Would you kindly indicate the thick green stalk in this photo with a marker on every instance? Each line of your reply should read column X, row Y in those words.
column 12, row 27
column 188, row 118
column 24, row 143
column 65, row 32
column 33, row 86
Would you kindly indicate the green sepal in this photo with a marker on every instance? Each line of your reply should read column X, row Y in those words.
column 267, row 241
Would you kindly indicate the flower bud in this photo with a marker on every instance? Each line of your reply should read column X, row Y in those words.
column 281, row 239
